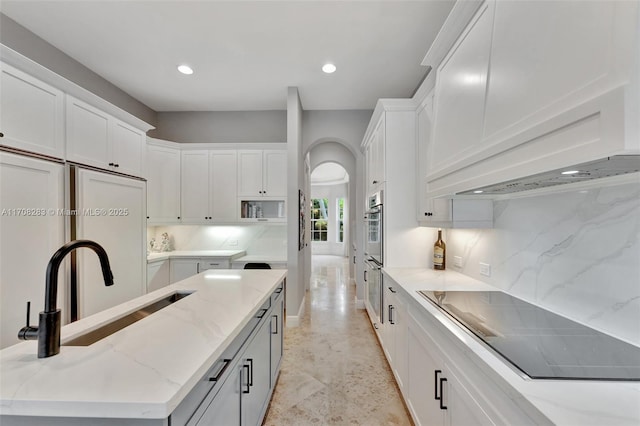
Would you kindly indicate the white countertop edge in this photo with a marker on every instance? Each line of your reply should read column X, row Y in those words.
column 563, row 402
column 110, row 405
column 230, row 254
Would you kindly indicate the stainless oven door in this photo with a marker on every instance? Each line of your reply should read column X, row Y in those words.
column 374, row 302
column 373, row 229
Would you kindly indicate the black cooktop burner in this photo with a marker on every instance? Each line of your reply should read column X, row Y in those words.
column 540, row 343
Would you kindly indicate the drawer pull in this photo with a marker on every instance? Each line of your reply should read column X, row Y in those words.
column 227, row 362
column 392, row 290
column 435, row 392
column 261, row 314
column 442, row 406
column 276, row 327
column 248, row 389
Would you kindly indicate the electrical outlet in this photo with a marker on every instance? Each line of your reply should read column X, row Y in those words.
column 233, row 242
column 485, row 269
column 457, row 261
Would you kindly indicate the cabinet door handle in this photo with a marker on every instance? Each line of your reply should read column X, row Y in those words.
column 112, row 164
column 214, row 264
column 375, row 182
column 248, row 389
column 227, row 362
column 261, row 314
column 1, row 135
column 442, row 406
column 435, row 392
column 392, row 290
column 250, row 360
column 365, row 276
column 276, row 327
column 116, row 165
column 391, row 319
column 278, row 290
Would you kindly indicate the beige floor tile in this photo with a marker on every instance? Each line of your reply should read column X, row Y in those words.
column 334, row 371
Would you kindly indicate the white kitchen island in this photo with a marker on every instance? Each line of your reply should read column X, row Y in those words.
column 150, row 370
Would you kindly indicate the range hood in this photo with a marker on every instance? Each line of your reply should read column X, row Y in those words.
column 606, row 167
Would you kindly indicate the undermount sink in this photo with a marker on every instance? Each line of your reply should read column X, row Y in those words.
column 120, row 323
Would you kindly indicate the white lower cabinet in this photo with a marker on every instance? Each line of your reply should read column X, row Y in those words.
column 439, row 381
column 436, row 396
column 158, row 274
column 184, row 268
column 236, row 391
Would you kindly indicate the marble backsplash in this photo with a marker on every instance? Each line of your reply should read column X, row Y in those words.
column 253, row 238
column 576, row 253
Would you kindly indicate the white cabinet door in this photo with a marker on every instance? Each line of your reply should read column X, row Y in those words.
column 127, row 149
column 163, row 184
column 256, row 380
column 120, row 228
column 461, row 91
column 182, row 269
column 250, row 173
column 223, row 190
column 275, row 174
column 32, row 115
column 462, row 408
column 30, row 236
column 195, row 186
column 277, row 337
column 425, row 370
column 399, row 328
column 97, row 139
column 158, row 275
column 87, row 134
column 225, row 409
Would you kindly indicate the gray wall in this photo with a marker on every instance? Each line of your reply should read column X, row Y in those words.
column 222, row 126
column 23, row 41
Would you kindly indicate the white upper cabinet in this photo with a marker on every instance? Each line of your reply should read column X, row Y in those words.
column 163, row 184
column 195, row 186
column 223, row 191
column 275, row 173
column 375, row 157
column 529, row 87
column 209, row 186
column 460, row 92
column 32, row 113
column 97, row 139
column 262, row 173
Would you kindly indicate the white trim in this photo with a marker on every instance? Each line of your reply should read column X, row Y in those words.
column 294, row 320
column 234, row 146
column 38, row 71
column 453, row 26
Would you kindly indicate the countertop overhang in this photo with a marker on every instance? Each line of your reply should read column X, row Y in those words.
column 144, row 370
column 563, row 402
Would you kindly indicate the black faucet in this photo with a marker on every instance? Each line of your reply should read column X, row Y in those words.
column 48, row 331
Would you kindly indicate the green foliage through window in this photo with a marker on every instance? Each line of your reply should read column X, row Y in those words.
column 319, row 219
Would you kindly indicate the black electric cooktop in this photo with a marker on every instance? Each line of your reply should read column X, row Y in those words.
column 541, row 344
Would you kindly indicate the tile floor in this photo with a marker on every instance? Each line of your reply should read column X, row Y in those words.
column 334, row 371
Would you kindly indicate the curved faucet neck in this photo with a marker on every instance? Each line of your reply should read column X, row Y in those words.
column 51, row 289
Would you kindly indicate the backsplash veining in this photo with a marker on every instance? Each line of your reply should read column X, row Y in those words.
column 576, row 253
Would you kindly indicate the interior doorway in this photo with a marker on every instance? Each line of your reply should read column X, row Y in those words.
column 329, row 210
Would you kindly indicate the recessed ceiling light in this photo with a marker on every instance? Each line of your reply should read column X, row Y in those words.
column 185, row 69
column 478, row 192
column 329, row 68
column 571, row 172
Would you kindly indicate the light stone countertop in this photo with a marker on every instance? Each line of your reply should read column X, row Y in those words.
column 145, row 370
column 563, row 402
column 231, row 254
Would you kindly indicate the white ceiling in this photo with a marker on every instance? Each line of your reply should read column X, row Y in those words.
column 245, row 53
column 329, row 174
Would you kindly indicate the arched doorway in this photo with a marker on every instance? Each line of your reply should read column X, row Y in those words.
column 329, row 215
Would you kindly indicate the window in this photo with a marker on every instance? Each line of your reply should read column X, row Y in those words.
column 340, row 219
column 319, row 219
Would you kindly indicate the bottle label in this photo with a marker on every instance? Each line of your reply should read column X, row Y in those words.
column 438, row 256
